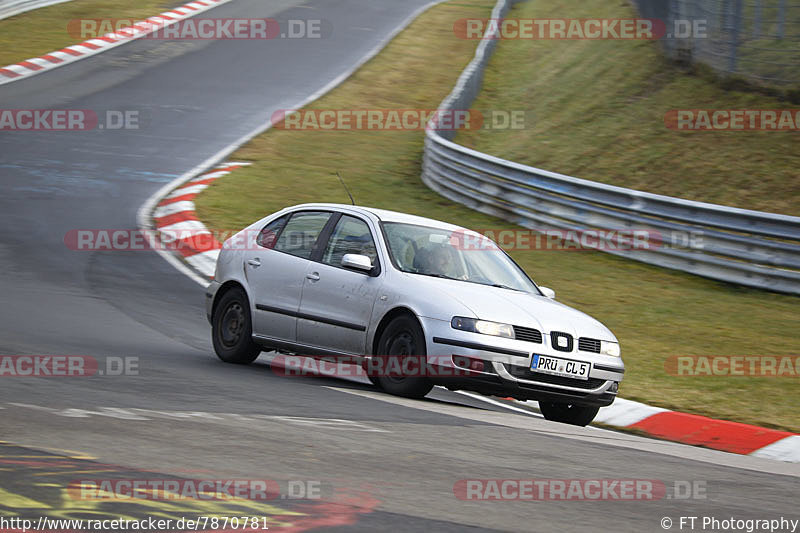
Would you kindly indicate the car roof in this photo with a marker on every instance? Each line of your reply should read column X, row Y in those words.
column 382, row 214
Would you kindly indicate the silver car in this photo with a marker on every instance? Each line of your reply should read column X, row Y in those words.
column 378, row 287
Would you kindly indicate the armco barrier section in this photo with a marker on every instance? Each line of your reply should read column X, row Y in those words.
column 9, row 8
column 750, row 248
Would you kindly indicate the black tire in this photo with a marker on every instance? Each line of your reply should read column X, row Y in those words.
column 577, row 415
column 403, row 337
column 374, row 380
column 232, row 329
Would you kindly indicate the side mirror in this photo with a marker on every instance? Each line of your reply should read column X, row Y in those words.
column 548, row 292
column 357, row 262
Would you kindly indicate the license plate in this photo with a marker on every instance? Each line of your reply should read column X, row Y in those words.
column 560, row 367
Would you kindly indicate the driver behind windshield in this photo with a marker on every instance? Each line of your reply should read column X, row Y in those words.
column 437, row 260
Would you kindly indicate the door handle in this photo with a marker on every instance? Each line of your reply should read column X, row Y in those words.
column 314, row 276
column 256, row 262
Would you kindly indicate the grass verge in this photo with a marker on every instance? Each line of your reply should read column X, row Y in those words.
column 41, row 31
column 656, row 313
column 595, row 110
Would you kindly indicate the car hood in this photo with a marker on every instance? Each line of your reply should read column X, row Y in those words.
column 518, row 308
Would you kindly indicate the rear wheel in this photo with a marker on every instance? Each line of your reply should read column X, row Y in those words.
column 402, row 338
column 232, row 329
column 577, row 415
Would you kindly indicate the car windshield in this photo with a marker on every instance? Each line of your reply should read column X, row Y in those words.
column 461, row 255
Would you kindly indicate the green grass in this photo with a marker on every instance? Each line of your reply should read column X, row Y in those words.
column 44, row 30
column 656, row 313
column 595, row 110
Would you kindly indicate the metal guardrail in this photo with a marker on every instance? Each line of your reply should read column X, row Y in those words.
column 9, row 8
column 750, row 248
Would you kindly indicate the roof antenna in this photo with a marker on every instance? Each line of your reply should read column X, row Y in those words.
column 353, row 202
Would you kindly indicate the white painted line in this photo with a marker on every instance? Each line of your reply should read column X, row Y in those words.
column 205, row 262
column 146, row 415
column 187, row 227
column 145, row 26
column 19, row 69
column 171, row 209
column 325, row 423
column 171, row 235
column 498, row 403
column 212, row 175
column 41, row 62
column 97, row 42
column 623, row 413
column 787, row 450
column 123, row 33
column 60, row 55
column 83, row 50
column 181, row 191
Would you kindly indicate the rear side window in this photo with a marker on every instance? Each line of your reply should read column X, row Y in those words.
column 301, row 233
column 269, row 234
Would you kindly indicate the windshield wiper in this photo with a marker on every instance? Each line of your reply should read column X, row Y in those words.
column 498, row 285
column 501, row 286
column 433, row 275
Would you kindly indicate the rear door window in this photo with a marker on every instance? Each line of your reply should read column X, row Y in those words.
column 301, row 233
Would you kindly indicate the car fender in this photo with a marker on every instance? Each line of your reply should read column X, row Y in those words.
column 396, row 295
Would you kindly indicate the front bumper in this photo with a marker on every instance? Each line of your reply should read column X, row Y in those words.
column 507, row 367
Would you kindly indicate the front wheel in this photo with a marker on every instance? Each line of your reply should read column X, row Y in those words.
column 402, row 338
column 577, row 415
column 232, row 329
column 374, row 380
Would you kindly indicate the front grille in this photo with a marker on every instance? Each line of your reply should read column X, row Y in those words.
column 527, row 334
column 523, row 372
column 588, row 345
column 555, row 336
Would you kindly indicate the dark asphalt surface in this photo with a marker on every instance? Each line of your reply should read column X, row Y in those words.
column 393, row 462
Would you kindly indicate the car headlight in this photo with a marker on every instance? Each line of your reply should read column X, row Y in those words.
column 485, row 327
column 609, row 348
